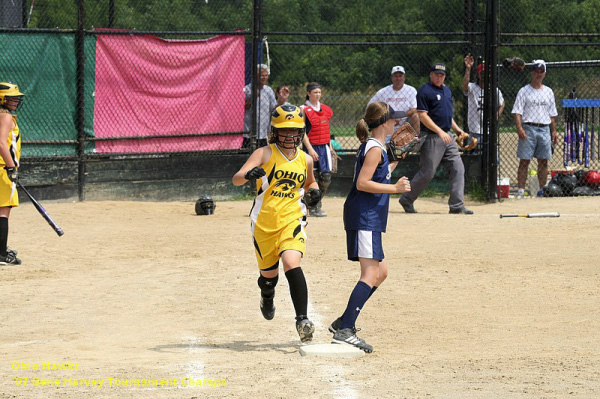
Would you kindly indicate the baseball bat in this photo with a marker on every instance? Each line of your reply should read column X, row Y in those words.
column 586, row 145
column 533, row 215
column 42, row 211
column 593, row 147
column 572, row 139
column 581, row 150
column 578, row 145
column 566, row 154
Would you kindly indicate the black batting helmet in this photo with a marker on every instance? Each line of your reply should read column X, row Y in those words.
column 566, row 181
column 205, row 205
column 552, row 190
column 583, row 191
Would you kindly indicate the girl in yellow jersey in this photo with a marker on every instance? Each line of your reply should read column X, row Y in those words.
column 285, row 185
column 10, row 153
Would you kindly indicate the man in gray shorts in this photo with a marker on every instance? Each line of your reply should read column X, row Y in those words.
column 535, row 118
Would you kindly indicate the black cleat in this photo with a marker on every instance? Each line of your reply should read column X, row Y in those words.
column 337, row 323
column 461, row 211
column 408, row 207
column 347, row 336
column 305, row 329
column 10, row 259
column 267, row 307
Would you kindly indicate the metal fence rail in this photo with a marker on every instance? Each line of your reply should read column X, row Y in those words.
column 123, row 78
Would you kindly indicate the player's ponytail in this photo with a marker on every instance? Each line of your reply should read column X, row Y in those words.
column 362, row 131
column 374, row 114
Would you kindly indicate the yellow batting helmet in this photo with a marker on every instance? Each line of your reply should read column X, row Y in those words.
column 287, row 116
column 10, row 91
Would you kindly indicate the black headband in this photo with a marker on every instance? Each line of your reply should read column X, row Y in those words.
column 379, row 122
column 311, row 87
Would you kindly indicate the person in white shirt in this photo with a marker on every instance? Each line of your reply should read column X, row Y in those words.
column 264, row 106
column 474, row 93
column 401, row 97
column 535, row 117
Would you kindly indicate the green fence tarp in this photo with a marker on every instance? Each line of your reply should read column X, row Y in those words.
column 44, row 66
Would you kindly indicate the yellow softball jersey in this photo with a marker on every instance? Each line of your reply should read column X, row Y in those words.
column 9, row 197
column 279, row 194
column 14, row 144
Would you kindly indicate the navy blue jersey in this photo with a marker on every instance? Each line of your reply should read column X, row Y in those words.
column 437, row 102
column 368, row 211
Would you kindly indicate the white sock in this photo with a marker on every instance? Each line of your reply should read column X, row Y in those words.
column 521, row 191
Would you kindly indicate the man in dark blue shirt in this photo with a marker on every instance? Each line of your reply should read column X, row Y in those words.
column 435, row 110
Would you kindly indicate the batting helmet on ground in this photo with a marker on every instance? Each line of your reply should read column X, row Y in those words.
column 205, row 205
column 592, row 178
column 552, row 190
column 566, row 181
column 582, row 191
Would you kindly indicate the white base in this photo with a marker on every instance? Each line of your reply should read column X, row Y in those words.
column 331, row 350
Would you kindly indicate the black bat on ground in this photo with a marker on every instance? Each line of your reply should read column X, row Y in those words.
column 42, row 211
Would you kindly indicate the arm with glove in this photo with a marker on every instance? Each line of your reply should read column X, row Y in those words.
column 252, row 169
column 313, row 195
column 403, row 141
column 462, row 138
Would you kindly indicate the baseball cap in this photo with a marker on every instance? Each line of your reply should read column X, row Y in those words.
column 438, row 67
column 265, row 67
column 396, row 114
column 539, row 64
column 398, row 68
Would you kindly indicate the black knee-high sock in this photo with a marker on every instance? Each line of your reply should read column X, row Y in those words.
column 3, row 235
column 357, row 300
column 298, row 290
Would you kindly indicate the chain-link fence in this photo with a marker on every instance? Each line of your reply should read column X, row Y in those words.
column 129, row 78
column 564, row 36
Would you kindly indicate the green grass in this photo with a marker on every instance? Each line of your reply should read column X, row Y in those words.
column 248, row 193
column 476, row 192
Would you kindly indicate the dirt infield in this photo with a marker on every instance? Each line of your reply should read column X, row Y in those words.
column 146, row 297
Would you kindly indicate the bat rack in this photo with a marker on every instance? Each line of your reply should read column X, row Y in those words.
column 580, row 142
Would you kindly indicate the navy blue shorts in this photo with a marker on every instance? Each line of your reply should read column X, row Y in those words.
column 364, row 244
column 325, row 163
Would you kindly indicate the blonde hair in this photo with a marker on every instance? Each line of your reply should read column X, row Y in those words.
column 373, row 114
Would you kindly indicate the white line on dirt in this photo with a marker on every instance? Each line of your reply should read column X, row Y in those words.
column 335, row 374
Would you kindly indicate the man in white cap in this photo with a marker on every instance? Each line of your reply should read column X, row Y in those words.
column 535, row 117
column 401, row 97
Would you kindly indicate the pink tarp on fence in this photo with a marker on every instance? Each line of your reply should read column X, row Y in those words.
column 147, row 86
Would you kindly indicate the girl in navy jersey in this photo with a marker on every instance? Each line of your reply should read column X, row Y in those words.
column 365, row 216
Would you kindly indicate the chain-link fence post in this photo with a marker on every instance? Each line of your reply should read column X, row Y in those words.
column 79, row 38
column 490, row 121
column 256, row 47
